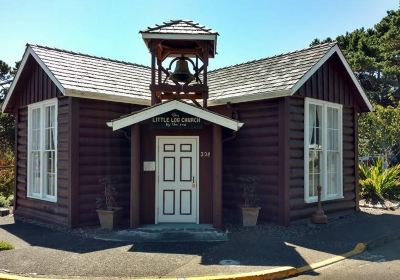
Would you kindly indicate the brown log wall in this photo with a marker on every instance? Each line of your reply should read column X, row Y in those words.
column 35, row 86
column 253, row 152
column 330, row 83
column 34, row 208
column 102, row 152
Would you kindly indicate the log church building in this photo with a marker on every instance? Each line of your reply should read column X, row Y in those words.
column 178, row 136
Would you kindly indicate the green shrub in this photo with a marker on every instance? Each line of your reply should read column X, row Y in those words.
column 6, row 172
column 378, row 183
column 5, row 246
column 4, row 202
column 11, row 200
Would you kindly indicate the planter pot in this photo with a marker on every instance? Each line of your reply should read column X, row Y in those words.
column 109, row 218
column 250, row 216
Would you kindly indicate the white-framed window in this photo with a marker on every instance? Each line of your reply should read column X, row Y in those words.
column 42, row 150
column 323, row 152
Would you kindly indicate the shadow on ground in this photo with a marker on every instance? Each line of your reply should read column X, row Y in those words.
column 266, row 246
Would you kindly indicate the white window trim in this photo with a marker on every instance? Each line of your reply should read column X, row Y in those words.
column 325, row 105
column 31, row 107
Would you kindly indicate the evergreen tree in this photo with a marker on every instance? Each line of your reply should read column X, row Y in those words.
column 374, row 55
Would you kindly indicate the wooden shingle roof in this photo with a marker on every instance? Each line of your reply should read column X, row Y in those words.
column 179, row 27
column 96, row 75
column 269, row 77
column 87, row 76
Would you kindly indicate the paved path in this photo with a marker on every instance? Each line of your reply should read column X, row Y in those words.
column 44, row 251
column 380, row 263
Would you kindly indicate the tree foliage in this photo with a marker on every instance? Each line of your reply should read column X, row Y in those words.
column 6, row 135
column 6, row 120
column 374, row 55
column 6, row 173
column 379, row 133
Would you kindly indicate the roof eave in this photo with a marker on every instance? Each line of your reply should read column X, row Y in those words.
column 107, row 97
column 249, row 98
column 179, row 36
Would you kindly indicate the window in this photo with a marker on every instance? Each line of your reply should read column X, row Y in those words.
column 42, row 150
column 322, row 150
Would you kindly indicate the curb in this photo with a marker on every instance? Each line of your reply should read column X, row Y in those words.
column 275, row 273
column 358, row 249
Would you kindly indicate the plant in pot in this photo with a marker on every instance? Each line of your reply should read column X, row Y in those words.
column 109, row 214
column 250, row 207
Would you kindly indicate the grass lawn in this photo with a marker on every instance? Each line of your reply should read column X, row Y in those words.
column 5, row 246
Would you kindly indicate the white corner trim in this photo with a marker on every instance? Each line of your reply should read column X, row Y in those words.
column 107, row 97
column 175, row 105
column 334, row 49
column 30, row 51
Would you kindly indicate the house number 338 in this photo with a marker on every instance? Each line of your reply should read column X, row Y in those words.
column 205, row 154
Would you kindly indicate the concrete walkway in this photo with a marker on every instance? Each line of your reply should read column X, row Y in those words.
column 43, row 251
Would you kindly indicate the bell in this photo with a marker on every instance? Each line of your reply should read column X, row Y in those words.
column 182, row 73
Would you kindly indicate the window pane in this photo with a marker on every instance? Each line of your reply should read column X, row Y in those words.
column 314, row 148
column 50, row 128
column 36, row 118
column 333, row 140
column 315, row 132
column 333, row 173
column 315, row 160
column 35, row 129
column 333, row 118
column 50, row 172
column 35, row 172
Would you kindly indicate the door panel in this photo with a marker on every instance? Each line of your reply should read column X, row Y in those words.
column 169, row 202
column 177, row 179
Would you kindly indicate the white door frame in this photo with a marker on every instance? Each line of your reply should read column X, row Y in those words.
column 197, row 174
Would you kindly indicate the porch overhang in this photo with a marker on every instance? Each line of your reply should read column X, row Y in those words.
column 182, row 106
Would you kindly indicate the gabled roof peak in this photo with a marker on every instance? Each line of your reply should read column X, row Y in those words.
column 180, row 26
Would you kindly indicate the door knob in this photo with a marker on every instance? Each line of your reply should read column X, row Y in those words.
column 193, row 183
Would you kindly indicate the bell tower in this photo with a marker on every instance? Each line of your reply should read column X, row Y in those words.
column 180, row 51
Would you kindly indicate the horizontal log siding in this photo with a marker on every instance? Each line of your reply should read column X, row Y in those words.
column 34, row 208
column 330, row 83
column 102, row 152
column 253, row 152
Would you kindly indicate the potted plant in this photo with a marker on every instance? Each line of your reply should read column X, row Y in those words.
column 250, row 207
column 109, row 214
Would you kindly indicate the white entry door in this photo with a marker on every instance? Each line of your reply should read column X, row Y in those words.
column 177, row 179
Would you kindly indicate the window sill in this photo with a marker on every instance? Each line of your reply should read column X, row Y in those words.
column 47, row 199
column 315, row 200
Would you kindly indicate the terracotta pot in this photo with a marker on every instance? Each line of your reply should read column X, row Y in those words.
column 250, row 216
column 109, row 218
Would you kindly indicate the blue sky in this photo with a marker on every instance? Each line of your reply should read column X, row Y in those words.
column 248, row 29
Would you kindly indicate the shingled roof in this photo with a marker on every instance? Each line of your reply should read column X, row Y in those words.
column 179, row 27
column 267, row 77
column 87, row 76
